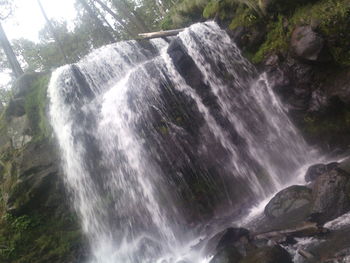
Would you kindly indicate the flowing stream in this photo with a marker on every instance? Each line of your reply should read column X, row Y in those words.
column 158, row 137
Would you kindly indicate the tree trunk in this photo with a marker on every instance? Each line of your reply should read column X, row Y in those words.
column 53, row 32
column 161, row 34
column 123, row 7
column 116, row 17
column 160, row 6
column 98, row 22
column 11, row 57
column 103, row 18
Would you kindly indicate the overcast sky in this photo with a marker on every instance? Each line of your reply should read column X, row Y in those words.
column 27, row 19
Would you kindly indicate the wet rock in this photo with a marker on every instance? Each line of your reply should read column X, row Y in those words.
column 38, row 183
column 275, row 254
column 227, row 255
column 330, row 196
column 232, row 235
column 306, row 44
column 314, row 171
column 287, row 200
column 338, row 85
column 345, row 165
column 238, row 35
column 319, row 101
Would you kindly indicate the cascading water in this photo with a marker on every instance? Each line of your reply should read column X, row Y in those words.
column 156, row 137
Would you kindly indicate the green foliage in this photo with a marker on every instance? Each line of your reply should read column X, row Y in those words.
column 184, row 13
column 35, row 108
column 245, row 17
column 277, row 39
column 224, row 9
column 333, row 20
column 212, row 8
column 38, row 238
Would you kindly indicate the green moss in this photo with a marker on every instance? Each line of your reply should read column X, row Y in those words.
column 223, row 9
column 277, row 40
column 212, row 8
column 333, row 20
column 38, row 238
column 35, row 107
column 245, row 17
column 184, row 14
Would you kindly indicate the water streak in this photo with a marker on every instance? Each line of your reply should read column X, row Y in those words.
column 156, row 138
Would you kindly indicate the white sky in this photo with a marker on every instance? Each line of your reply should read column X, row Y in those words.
column 28, row 20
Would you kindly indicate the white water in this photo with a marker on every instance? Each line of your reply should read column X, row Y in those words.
column 136, row 135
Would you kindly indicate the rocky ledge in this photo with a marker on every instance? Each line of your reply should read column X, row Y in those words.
column 302, row 223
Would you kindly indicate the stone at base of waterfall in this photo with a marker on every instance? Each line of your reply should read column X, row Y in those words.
column 314, row 171
column 227, row 255
column 288, row 200
column 331, row 196
column 275, row 254
column 231, row 236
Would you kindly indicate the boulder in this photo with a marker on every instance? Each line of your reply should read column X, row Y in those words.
column 307, row 45
column 227, row 255
column 330, row 197
column 288, row 200
column 275, row 254
column 316, row 170
column 230, row 236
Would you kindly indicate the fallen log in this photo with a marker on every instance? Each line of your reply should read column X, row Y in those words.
column 161, row 34
column 307, row 255
column 303, row 230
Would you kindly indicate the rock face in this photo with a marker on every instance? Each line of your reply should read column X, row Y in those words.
column 330, row 195
column 345, row 165
column 37, row 223
column 288, row 200
column 275, row 254
column 306, row 44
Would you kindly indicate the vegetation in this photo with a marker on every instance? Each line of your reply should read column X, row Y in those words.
column 35, row 108
column 38, row 238
column 278, row 18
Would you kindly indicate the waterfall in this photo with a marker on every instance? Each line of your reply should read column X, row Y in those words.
column 157, row 137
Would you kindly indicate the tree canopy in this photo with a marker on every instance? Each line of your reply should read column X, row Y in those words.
column 97, row 23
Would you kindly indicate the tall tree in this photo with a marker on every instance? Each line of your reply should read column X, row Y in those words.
column 116, row 17
column 97, row 21
column 6, row 10
column 132, row 15
column 103, row 18
column 53, row 32
column 11, row 57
